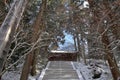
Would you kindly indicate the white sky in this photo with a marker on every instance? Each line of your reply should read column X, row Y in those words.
column 68, row 41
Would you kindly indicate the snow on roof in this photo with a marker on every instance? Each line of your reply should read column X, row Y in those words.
column 56, row 51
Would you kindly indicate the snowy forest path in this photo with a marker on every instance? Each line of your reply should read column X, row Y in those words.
column 60, row 70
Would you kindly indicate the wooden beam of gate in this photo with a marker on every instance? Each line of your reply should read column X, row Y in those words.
column 8, row 27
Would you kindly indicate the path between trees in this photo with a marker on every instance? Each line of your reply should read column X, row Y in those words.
column 60, row 70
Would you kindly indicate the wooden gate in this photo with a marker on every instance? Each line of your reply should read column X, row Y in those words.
column 62, row 56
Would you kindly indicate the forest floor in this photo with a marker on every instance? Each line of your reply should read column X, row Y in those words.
column 94, row 67
column 87, row 71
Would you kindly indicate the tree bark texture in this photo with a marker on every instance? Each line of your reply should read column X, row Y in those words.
column 78, row 46
column 39, row 26
column 75, row 43
column 31, row 58
column 97, row 20
column 8, row 27
column 110, row 57
column 26, row 67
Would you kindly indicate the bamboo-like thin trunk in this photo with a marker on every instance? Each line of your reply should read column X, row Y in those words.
column 83, row 53
column 78, row 46
column 75, row 44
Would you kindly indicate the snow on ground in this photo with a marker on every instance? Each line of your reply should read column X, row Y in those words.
column 15, row 73
column 32, row 77
column 11, row 75
column 87, row 71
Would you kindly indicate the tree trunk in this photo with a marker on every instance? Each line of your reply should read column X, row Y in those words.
column 8, row 27
column 31, row 59
column 26, row 67
column 39, row 26
column 110, row 57
column 105, row 39
column 75, row 44
column 78, row 46
column 83, row 52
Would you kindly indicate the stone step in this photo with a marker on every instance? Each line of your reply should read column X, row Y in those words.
column 59, row 70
